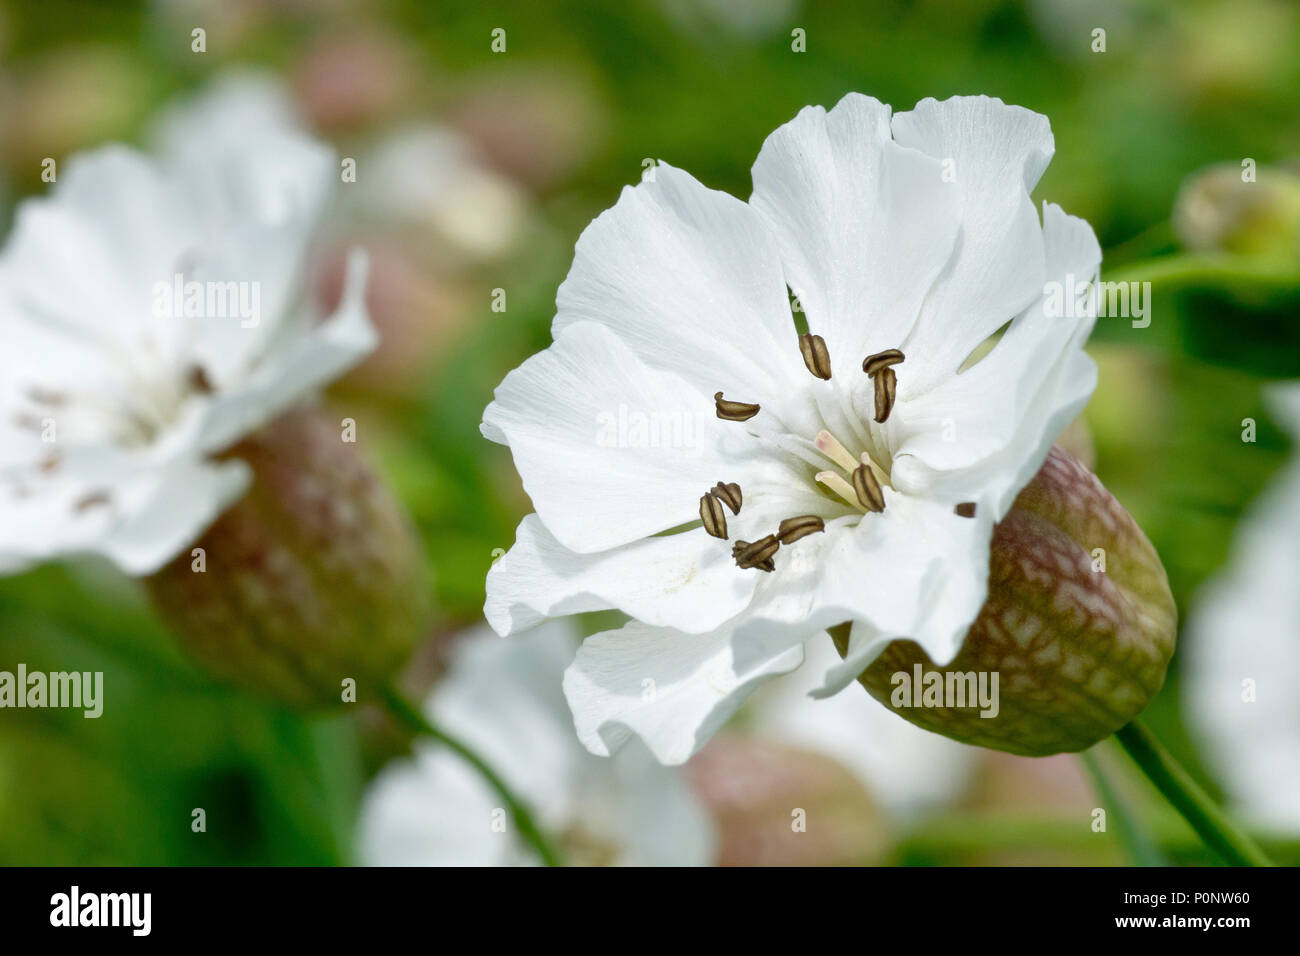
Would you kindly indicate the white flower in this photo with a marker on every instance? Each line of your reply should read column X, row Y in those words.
column 115, row 390
column 1241, row 652
column 503, row 699
column 914, row 233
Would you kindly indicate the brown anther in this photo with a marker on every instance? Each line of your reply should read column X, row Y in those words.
column 815, row 355
column 965, row 510
column 769, row 565
column 728, row 494
column 881, row 360
column 198, row 380
column 792, row 529
column 91, row 500
column 44, row 396
column 867, row 488
column 734, row 411
column 753, row 555
column 714, row 518
column 49, row 463
column 886, row 386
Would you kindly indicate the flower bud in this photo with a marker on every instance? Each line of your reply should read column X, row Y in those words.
column 1219, row 211
column 776, row 805
column 1074, row 637
column 313, row 578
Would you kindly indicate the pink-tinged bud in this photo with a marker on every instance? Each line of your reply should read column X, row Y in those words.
column 775, row 805
column 312, row 580
column 1077, row 630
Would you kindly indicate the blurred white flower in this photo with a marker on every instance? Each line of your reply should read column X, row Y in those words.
column 906, row 769
column 1241, row 652
column 867, row 495
column 154, row 313
column 503, row 699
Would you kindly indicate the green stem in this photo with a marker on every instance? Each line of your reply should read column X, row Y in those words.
column 411, row 716
column 1221, row 269
column 1177, row 786
column 1139, row 848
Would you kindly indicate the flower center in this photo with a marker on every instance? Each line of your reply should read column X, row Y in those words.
column 856, row 481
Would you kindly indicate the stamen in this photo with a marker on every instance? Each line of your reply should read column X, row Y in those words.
column 881, row 360
column 867, row 489
column 714, row 518
column 836, row 483
column 756, row 554
column 43, row 396
column 91, row 500
column 50, row 463
column 198, row 380
column 734, row 411
column 815, row 355
column 728, row 494
column 886, row 386
column 875, row 469
column 965, row 510
column 830, row 446
column 792, row 529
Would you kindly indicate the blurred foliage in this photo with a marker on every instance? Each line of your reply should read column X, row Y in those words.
column 1181, row 85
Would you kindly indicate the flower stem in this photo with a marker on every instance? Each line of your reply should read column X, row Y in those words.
column 1219, row 270
column 413, row 718
column 1177, row 786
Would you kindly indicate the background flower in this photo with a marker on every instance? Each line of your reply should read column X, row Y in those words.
column 121, row 385
column 1243, row 652
column 503, row 699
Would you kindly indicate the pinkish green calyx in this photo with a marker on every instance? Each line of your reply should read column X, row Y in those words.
column 1078, row 626
column 312, row 580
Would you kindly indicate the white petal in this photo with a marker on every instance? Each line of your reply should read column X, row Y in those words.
column 503, row 697
column 609, row 450
column 84, row 261
column 687, row 581
column 433, row 810
column 672, row 690
column 258, row 187
column 916, row 570
column 982, row 435
column 313, row 356
column 997, row 153
column 168, row 508
column 864, row 225
column 152, row 508
column 689, row 278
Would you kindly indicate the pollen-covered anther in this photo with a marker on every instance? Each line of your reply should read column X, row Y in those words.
column 729, row 494
column 756, row 554
column 734, row 411
column 714, row 518
column 881, row 360
column 815, row 355
column 886, row 389
column 792, row 529
column 867, row 488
